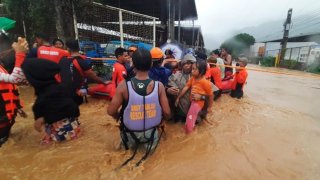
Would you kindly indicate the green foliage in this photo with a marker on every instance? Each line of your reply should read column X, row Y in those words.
column 290, row 64
column 38, row 15
column 268, row 61
column 41, row 15
column 255, row 60
column 314, row 67
column 238, row 44
column 103, row 71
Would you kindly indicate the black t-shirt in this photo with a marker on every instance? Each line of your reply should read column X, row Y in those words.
column 70, row 75
column 54, row 104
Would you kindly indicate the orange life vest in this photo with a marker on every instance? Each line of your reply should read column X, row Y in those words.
column 51, row 53
column 9, row 100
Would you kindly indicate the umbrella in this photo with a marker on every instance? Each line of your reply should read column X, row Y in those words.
column 177, row 51
column 6, row 24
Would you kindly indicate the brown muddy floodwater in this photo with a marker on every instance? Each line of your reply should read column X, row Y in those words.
column 272, row 133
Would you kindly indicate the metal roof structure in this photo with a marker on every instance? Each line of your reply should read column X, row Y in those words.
column 168, row 12
column 191, row 36
column 303, row 28
column 157, row 8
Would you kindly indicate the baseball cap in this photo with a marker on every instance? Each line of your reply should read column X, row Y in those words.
column 156, row 53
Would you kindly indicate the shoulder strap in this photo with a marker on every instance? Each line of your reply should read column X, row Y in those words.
column 77, row 66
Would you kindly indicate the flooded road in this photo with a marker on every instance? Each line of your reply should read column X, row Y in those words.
column 272, row 133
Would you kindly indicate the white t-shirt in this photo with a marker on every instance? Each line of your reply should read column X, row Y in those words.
column 220, row 61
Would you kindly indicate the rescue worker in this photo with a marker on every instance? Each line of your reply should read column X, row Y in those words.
column 45, row 50
column 74, row 70
column 240, row 78
column 119, row 74
column 10, row 104
column 145, row 105
column 157, row 72
column 129, row 67
column 215, row 77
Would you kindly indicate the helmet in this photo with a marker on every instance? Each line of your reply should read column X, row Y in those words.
column 156, row 53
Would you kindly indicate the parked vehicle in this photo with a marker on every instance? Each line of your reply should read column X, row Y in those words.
column 113, row 45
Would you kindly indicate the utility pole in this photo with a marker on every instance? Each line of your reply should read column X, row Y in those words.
column 284, row 41
column 179, row 23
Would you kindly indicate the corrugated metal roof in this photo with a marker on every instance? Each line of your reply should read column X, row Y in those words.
column 306, row 25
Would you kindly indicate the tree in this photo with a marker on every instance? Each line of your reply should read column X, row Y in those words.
column 238, row 44
column 53, row 17
column 36, row 15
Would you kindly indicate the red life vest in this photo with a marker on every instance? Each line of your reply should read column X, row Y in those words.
column 9, row 100
column 51, row 53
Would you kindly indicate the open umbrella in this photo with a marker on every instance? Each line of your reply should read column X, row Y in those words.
column 6, row 23
column 177, row 51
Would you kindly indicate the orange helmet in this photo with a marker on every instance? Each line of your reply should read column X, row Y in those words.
column 156, row 53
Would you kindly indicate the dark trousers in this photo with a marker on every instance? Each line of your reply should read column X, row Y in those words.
column 5, row 131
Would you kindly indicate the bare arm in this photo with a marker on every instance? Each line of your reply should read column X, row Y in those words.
column 183, row 91
column 117, row 100
column 17, row 76
column 228, row 60
column 164, row 102
column 92, row 75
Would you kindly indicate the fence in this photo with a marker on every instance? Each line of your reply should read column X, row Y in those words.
column 305, row 55
column 104, row 23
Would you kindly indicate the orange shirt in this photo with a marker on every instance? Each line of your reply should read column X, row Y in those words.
column 239, row 78
column 201, row 86
column 208, row 74
column 119, row 73
column 216, row 76
column 51, row 53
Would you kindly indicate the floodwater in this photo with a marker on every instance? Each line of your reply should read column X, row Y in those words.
column 272, row 133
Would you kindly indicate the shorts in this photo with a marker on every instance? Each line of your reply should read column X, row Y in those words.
column 66, row 129
column 142, row 137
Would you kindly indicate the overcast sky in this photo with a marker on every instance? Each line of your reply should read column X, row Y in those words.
column 221, row 19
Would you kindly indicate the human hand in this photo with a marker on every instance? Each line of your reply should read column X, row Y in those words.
column 21, row 45
column 22, row 113
column 177, row 102
column 38, row 124
column 173, row 91
column 107, row 82
column 83, row 92
column 196, row 97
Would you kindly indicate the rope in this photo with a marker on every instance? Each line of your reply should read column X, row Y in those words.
column 269, row 71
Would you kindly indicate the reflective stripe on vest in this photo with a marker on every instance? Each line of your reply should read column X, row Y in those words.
column 142, row 112
column 8, row 97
